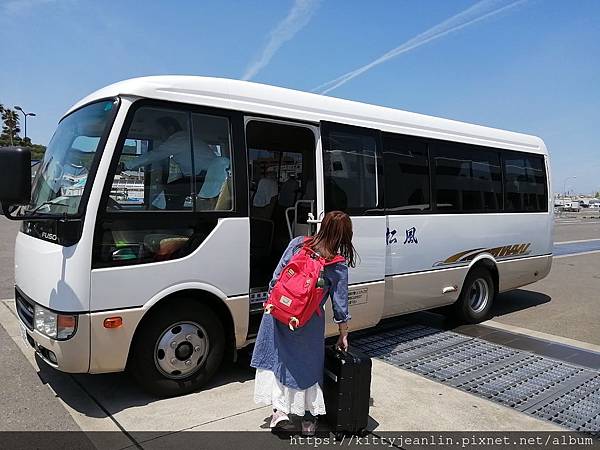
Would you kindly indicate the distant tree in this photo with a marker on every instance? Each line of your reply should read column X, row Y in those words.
column 10, row 133
column 10, row 126
column 1, row 115
column 37, row 151
column 597, row 195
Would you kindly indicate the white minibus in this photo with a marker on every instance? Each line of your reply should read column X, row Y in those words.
column 162, row 204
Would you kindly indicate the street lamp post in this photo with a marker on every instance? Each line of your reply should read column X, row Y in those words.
column 25, row 114
column 565, row 185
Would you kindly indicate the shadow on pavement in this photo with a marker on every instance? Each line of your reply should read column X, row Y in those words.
column 517, row 300
column 294, row 427
column 114, row 392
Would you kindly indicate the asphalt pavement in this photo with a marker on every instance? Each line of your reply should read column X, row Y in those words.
column 565, row 303
column 566, row 230
column 8, row 232
column 25, row 401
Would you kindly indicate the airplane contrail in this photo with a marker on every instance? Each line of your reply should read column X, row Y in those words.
column 476, row 13
column 297, row 18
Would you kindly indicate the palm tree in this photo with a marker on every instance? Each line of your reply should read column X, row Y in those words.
column 11, row 126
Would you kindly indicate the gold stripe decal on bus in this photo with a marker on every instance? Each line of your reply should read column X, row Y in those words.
column 455, row 258
column 497, row 252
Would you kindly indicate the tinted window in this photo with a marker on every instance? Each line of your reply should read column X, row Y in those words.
column 524, row 182
column 350, row 169
column 406, row 164
column 467, row 179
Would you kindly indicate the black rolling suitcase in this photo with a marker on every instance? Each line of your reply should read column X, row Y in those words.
column 347, row 390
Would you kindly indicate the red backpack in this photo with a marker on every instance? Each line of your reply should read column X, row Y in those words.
column 296, row 297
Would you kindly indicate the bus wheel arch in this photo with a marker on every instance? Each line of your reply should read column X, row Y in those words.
column 488, row 263
column 478, row 292
column 193, row 311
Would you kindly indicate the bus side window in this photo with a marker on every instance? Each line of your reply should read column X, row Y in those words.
column 406, row 164
column 525, row 183
column 350, row 165
column 467, row 179
column 155, row 163
column 171, row 160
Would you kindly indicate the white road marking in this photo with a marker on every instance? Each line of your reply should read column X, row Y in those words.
column 576, row 254
column 557, row 222
column 580, row 240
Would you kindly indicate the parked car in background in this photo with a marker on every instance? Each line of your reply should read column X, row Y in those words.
column 573, row 206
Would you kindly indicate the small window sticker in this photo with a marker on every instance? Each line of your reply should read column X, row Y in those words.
column 358, row 296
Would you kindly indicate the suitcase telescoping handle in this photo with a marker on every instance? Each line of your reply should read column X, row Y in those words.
column 338, row 350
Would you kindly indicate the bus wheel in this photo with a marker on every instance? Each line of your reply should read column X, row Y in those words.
column 476, row 297
column 178, row 349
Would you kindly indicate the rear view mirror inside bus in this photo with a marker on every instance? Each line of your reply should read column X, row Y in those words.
column 15, row 182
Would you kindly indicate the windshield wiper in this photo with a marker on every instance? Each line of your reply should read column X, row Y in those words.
column 49, row 202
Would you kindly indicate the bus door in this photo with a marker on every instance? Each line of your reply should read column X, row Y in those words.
column 282, row 197
column 352, row 181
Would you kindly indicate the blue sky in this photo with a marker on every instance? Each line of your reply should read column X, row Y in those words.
column 530, row 65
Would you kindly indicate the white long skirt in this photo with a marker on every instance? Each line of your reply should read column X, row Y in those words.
column 268, row 390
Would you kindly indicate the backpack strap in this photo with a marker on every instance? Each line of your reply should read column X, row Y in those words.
column 336, row 259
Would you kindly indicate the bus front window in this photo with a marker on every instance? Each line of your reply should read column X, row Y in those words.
column 63, row 173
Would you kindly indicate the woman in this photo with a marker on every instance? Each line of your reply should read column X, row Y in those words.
column 289, row 364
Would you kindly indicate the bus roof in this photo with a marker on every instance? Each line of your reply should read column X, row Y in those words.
column 255, row 98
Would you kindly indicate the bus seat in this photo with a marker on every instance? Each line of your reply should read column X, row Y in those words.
column 224, row 200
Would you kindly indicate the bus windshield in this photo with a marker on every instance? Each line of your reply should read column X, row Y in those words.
column 63, row 173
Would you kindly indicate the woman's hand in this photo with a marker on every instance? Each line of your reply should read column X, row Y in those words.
column 342, row 342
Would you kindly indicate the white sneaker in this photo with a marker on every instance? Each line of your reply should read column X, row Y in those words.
column 278, row 418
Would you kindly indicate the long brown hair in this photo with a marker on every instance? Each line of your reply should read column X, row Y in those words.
column 335, row 236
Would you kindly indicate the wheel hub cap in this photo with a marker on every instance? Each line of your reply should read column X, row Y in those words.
column 479, row 295
column 184, row 351
column 181, row 350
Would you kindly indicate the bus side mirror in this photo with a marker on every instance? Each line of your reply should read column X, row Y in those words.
column 15, row 179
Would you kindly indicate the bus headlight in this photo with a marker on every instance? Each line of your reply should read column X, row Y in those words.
column 54, row 325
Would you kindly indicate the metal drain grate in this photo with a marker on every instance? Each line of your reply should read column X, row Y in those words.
column 577, row 408
column 543, row 387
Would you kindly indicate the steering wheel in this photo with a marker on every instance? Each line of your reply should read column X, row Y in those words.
column 113, row 204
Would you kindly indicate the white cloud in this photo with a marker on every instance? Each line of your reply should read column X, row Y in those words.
column 297, row 18
column 476, row 13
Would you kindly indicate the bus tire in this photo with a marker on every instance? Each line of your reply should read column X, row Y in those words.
column 178, row 349
column 476, row 297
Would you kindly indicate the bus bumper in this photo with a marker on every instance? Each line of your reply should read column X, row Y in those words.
column 72, row 355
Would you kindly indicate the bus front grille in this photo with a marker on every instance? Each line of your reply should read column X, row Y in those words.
column 24, row 309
